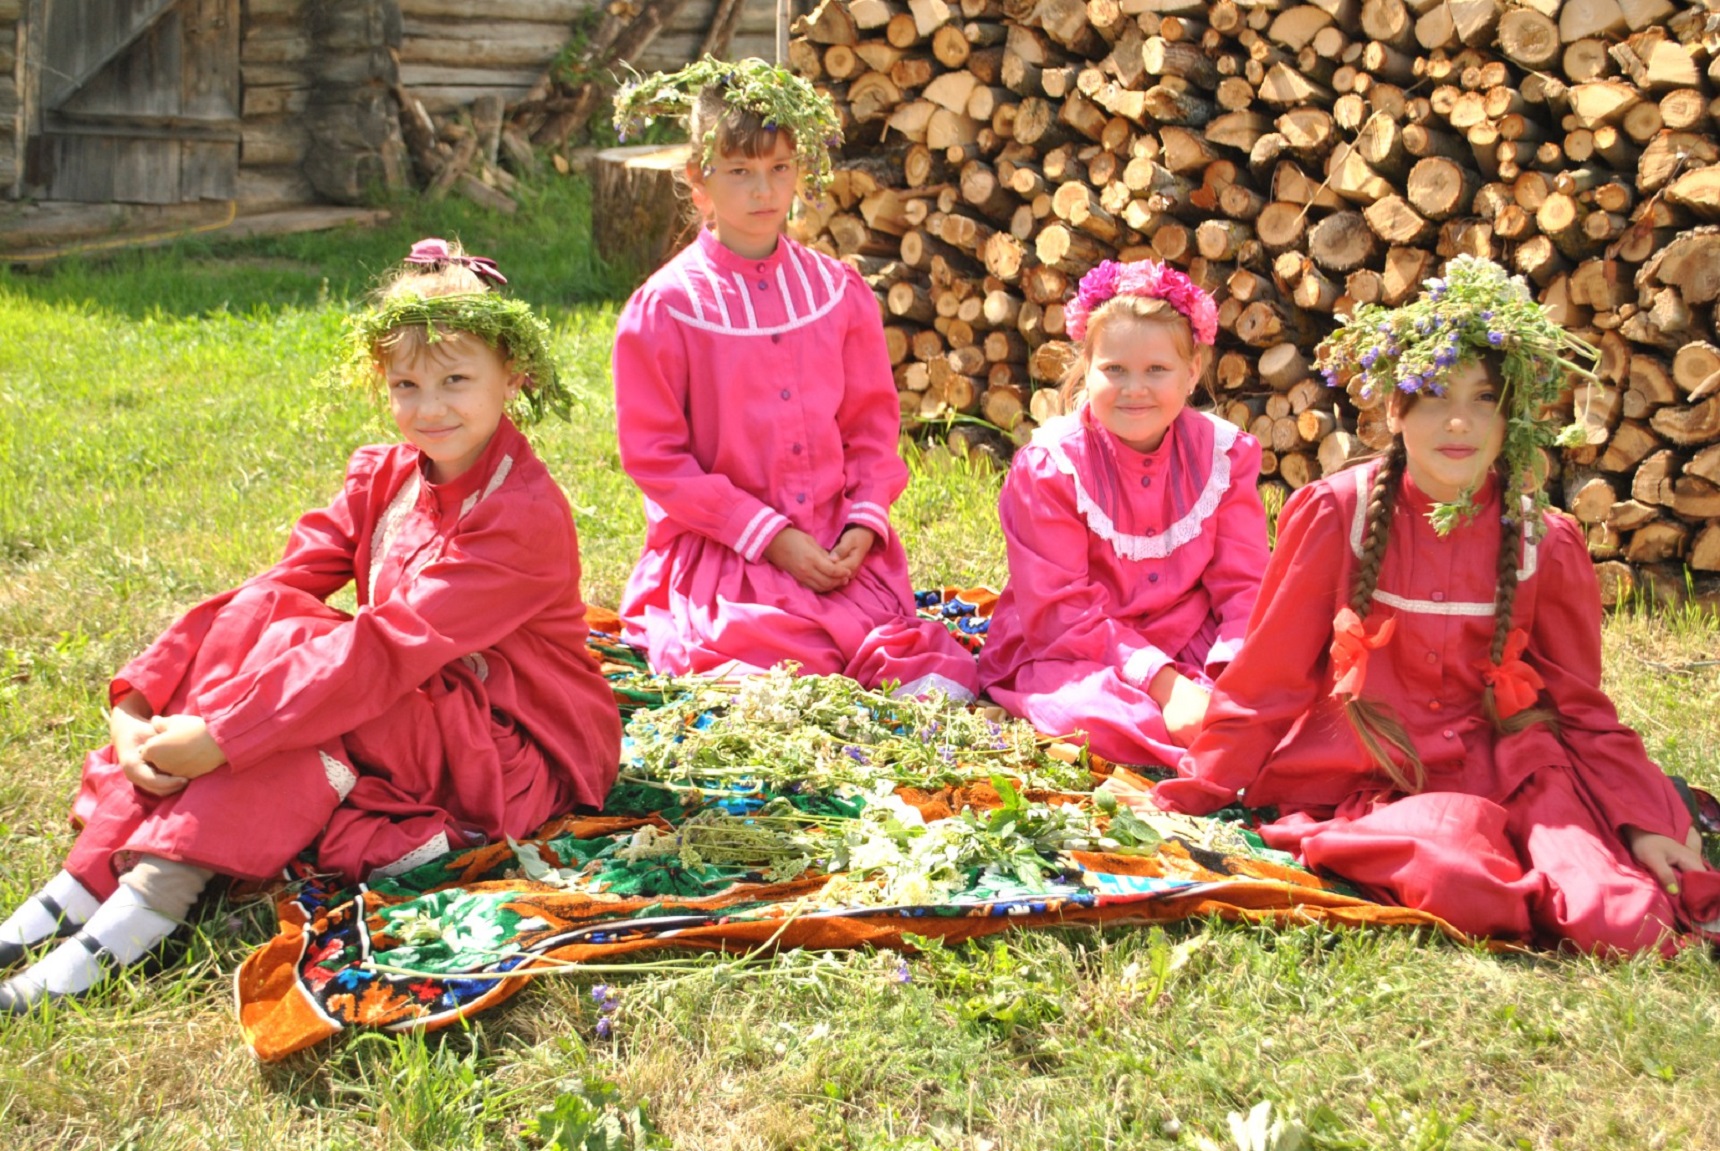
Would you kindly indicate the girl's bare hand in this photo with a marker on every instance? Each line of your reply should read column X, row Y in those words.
column 798, row 554
column 1663, row 857
column 183, row 747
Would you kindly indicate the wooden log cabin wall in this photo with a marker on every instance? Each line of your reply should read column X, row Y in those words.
column 271, row 104
column 1297, row 159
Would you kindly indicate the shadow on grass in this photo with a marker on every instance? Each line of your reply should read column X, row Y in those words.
column 545, row 249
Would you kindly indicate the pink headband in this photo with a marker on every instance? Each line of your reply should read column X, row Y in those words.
column 1141, row 278
column 433, row 252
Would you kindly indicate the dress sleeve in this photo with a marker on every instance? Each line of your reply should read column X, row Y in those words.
column 1610, row 761
column 869, row 415
column 509, row 561
column 651, row 382
column 1064, row 613
column 318, row 560
column 1280, row 672
column 1232, row 579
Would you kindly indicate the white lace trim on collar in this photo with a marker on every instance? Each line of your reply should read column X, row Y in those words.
column 1159, row 545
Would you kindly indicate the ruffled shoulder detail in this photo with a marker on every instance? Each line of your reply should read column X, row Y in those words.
column 1054, row 437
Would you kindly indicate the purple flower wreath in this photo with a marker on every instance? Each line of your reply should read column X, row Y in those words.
column 1147, row 279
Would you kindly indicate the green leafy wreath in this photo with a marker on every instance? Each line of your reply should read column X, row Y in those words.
column 775, row 95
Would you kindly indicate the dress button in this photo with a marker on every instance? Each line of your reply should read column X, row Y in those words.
column 797, row 449
column 801, row 498
column 1152, row 577
column 1433, row 705
column 761, row 267
column 1433, row 657
column 1438, row 597
column 1449, row 734
column 1152, row 532
column 785, row 393
column 763, row 287
column 776, row 339
column 1146, row 481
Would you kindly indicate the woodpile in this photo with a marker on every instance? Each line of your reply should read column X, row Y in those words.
column 1297, row 159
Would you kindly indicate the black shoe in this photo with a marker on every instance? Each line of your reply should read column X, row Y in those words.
column 11, row 953
column 19, row 996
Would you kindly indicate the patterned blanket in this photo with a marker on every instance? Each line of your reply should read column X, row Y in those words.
column 467, row 931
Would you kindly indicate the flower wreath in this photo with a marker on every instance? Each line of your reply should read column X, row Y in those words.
column 775, row 95
column 510, row 326
column 1475, row 309
column 1143, row 278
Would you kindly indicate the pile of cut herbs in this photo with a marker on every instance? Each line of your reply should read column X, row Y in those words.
column 780, row 774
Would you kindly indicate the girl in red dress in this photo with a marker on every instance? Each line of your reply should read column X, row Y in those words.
column 1419, row 695
column 456, row 705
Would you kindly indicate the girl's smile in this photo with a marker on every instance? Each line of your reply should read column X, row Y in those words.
column 448, row 398
column 1138, row 380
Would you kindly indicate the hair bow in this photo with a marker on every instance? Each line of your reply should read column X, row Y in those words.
column 432, row 252
column 1351, row 644
column 1515, row 683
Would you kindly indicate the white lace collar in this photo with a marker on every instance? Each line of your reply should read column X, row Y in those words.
column 1051, row 437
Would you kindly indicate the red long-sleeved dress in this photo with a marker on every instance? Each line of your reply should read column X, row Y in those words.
column 1518, row 835
column 457, row 704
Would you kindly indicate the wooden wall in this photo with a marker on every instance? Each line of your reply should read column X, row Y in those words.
column 679, row 41
column 274, row 76
column 453, row 51
column 11, row 89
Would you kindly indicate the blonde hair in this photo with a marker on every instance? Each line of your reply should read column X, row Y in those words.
column 451, row 277
column 1147, row 309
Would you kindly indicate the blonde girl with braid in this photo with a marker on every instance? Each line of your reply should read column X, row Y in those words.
column 1419, row 697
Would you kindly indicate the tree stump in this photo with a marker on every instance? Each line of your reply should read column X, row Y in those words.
column 639, row 214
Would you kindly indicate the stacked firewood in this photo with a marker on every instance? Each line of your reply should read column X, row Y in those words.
column 463, row 150
column 1297, row 159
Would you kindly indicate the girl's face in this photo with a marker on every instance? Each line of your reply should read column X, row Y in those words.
column 1451, row 441
column 448, row 397
column 747, row 199
column 1138, row 379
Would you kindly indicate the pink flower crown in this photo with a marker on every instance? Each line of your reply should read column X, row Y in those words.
column 1141, row 278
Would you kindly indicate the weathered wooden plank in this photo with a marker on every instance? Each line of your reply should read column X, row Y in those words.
column 262, row 188
column 112, row 168
column 143, row 78
column 673, row 51
column 275, row 44
column 81, row 36
column 414, row 76
column 356, row 70
column 275, row 101
column 8, row 51
column 11, row 11
column 496, row 46
column 208, row 170
column 267, row 143
column 446, row 98
column 543, row 11
column 274, row 12
column 209, row 84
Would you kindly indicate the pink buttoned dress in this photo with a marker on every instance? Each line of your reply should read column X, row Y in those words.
column 751, row 395
column 458, row 704
column 1122, row 563
column 1519, row 836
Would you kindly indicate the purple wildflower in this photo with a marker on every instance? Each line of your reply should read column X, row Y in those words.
column 600, row 992
column 604, row 1028
column 855, row 754
column 902, row 974
column 1369, row 356
column 1496, row 338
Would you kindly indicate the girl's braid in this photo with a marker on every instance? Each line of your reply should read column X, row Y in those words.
column 1511, row 542
column 1376, row 724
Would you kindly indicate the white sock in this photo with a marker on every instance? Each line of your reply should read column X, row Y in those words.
column 32, row 923
column 125, row 926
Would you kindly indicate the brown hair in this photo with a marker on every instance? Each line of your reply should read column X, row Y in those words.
column 737, row 129
column 1148, row 309
column 1376, row 724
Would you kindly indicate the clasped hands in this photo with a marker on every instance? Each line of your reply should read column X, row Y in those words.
column 160, row 754
column 815, row 569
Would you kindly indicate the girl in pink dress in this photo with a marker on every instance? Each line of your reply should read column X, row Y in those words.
column 1136, row 536
column 758, row 415
column 457, row 705
column 1419, row 695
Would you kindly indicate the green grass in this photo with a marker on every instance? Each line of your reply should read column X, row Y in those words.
column 159, row 432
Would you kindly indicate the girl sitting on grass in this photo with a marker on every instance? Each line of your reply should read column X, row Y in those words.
column 1135, row 533
column 757, row 412
column 1419, row 695
column 457, row 705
